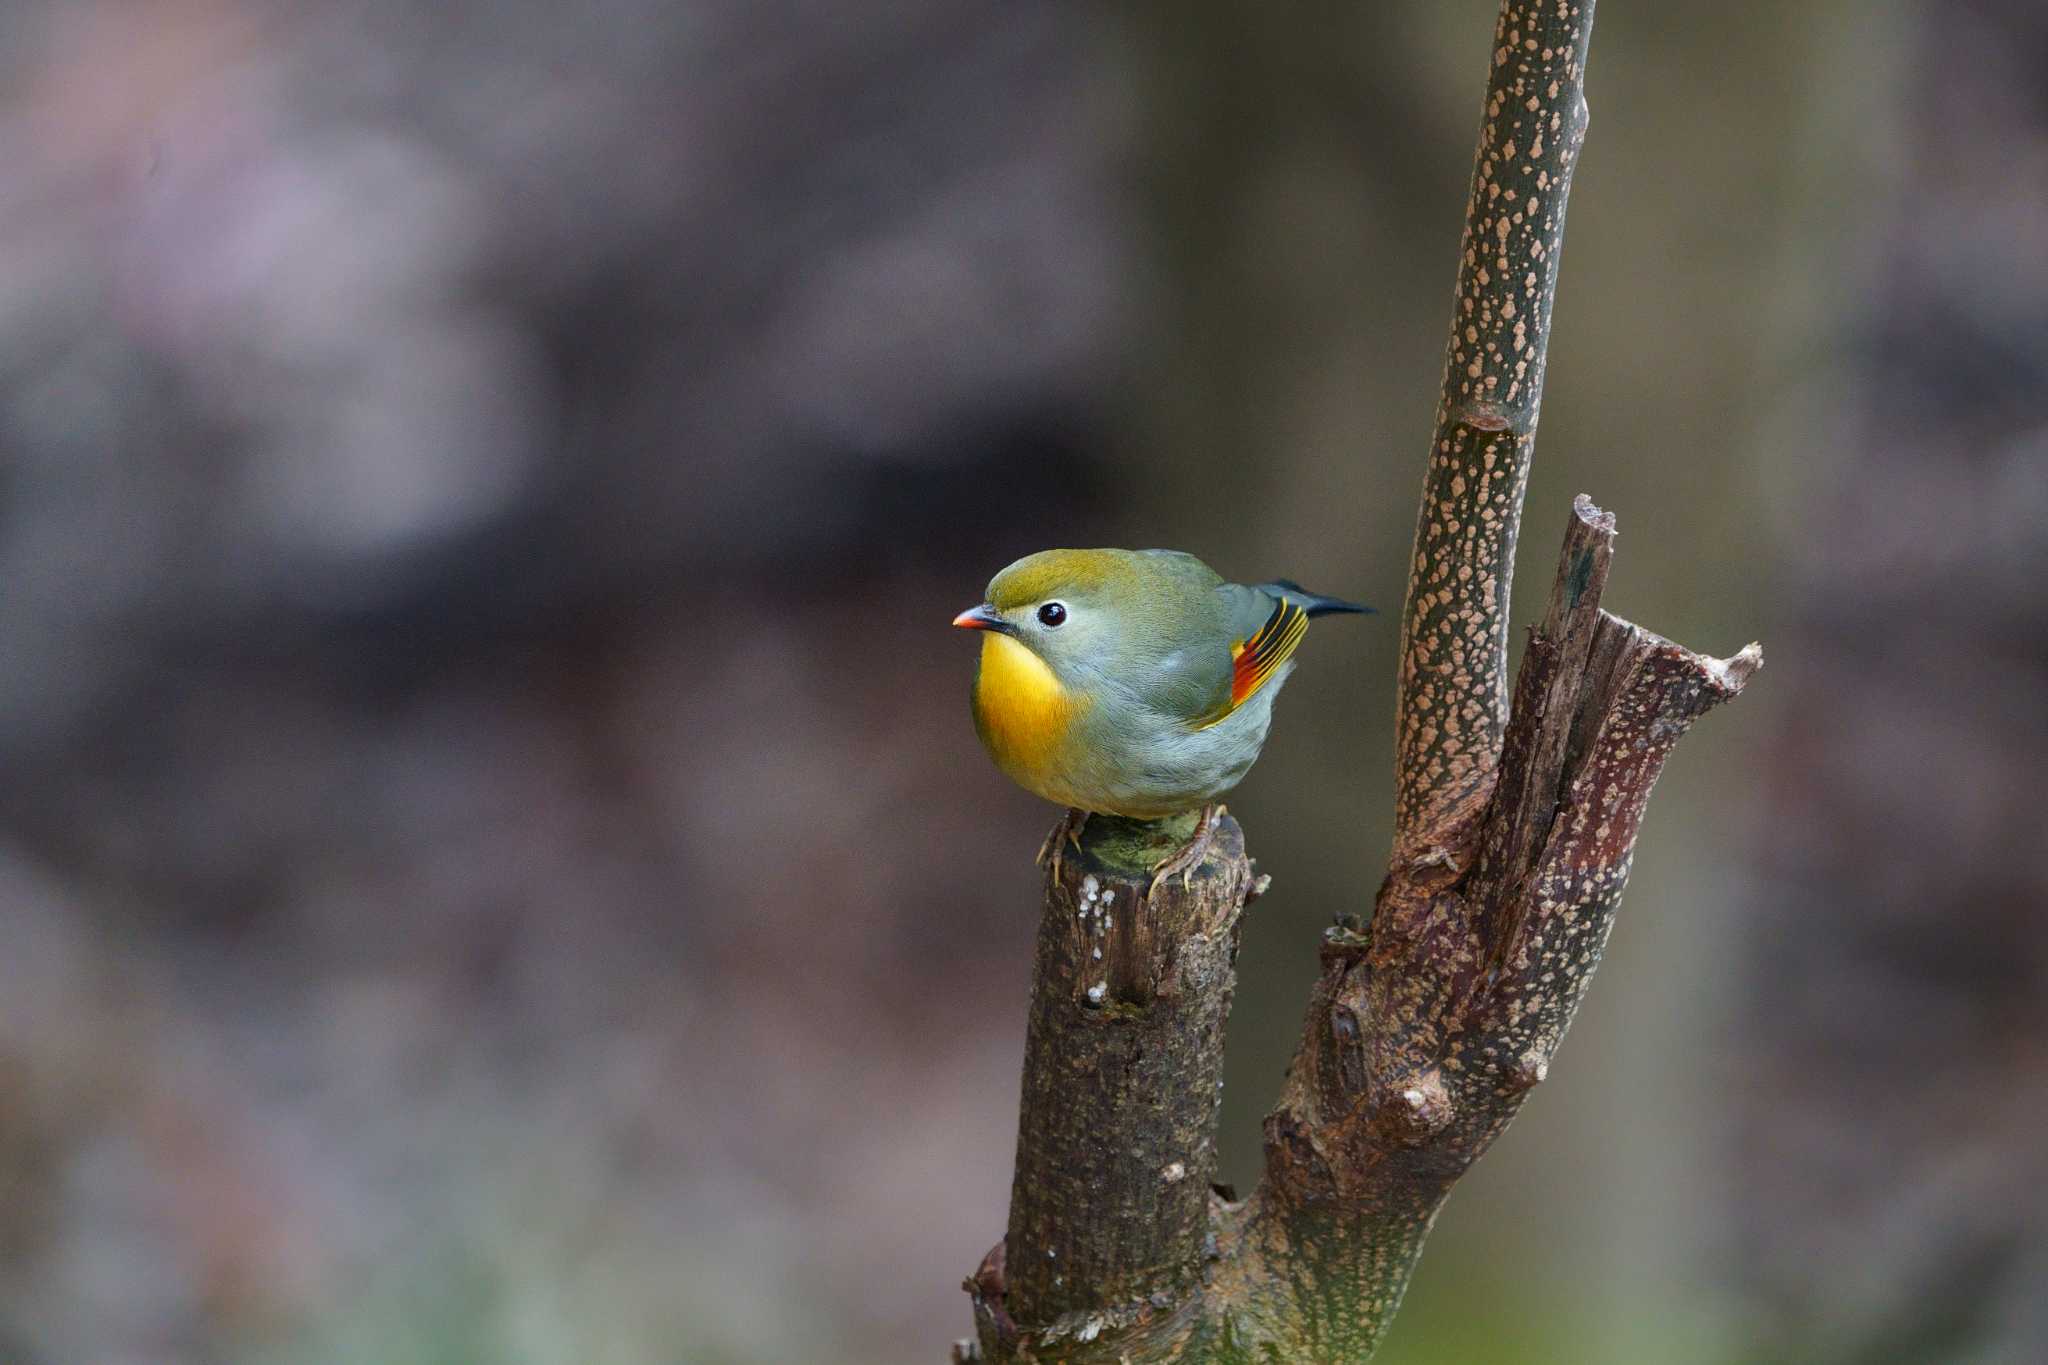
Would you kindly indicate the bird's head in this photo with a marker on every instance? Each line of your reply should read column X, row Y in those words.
column 1065, row 606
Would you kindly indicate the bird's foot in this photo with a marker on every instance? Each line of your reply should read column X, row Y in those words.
column 1190, row 855
column 1067, row 831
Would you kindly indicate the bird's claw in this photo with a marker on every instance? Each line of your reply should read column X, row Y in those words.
column 1190, row 855
column 1067, row 831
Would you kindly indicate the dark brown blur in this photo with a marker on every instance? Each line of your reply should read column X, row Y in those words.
column 1894, row 1205
column 494, row 861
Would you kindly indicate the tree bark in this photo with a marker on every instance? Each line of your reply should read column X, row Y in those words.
column 1514, row 832
column 1123, row 1079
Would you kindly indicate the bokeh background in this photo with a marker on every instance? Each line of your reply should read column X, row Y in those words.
column 494, row 865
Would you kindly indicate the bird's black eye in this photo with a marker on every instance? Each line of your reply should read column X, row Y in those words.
column 1052, row 613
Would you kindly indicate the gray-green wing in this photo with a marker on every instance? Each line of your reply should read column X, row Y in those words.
column 1179, row 639
column 1264, row 630
column 1208, row 645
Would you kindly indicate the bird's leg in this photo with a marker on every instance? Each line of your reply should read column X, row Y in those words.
column 1190, row 855
column 1067, row 831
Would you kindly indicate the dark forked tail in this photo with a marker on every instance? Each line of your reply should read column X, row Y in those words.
column 1315, row 604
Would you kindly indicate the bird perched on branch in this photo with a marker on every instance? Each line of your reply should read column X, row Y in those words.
column 1132, row 682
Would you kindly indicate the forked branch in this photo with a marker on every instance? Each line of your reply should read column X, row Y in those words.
column 1515, row 828
column 1424, row 1038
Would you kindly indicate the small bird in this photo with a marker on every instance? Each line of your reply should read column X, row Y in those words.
column 1135, row 683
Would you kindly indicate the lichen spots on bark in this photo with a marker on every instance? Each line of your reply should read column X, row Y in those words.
column 1455, row 629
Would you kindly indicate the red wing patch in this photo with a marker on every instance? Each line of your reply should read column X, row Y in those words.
column 1253, row 660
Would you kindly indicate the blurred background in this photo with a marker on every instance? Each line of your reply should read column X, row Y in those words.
column 494, row 863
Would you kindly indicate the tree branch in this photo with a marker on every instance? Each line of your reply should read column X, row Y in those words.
column 1423, row 1039
column 1453, row 679
column 1515, row 829
column 1123, row 1081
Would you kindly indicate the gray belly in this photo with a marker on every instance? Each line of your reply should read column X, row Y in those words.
column 1153, row 765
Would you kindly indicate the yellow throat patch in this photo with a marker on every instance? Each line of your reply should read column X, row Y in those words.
column 1021, row 709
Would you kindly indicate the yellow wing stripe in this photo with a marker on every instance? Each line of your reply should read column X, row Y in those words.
column 1253, row 661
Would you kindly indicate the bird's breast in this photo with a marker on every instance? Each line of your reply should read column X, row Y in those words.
column 1023, row 712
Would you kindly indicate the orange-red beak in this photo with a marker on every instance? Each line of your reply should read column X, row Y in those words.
column 983, row 617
